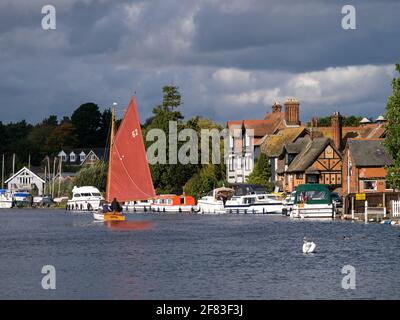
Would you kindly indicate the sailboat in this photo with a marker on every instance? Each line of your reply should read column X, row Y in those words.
column 129, row 177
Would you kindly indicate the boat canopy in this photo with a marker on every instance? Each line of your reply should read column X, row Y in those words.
column 313, row 194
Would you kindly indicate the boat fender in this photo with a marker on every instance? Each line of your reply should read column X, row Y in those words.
column 180, row 210
column 163, row 210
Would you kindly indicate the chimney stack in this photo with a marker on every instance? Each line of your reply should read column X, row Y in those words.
column 292, row 112
column 276, row 107
column 336, row 123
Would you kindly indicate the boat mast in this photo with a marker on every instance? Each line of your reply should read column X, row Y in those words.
column 2, row 173
column 110, row 154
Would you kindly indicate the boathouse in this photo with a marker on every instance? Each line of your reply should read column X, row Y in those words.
column 26, row 180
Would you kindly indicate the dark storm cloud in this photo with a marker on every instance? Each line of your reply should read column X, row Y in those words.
column 301, row 36
column 231, row 58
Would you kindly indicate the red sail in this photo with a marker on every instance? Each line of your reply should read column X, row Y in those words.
column 129, row 173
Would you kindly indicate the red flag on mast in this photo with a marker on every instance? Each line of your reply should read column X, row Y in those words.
column 129, row 172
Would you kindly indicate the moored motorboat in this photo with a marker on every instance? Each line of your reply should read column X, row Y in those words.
column 22, row 199
column 214, row 201
column 173, row 203
column 255, row 203
column 6, row 199
column 312, row 201
column 86, row 198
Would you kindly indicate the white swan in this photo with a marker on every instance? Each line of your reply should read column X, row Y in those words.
column 308, row 246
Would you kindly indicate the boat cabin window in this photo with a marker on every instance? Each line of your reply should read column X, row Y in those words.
column 86, row 195
column 306, row 196
column 249, row 200
column 183, row 200
column 95, row 194
column 77, row 195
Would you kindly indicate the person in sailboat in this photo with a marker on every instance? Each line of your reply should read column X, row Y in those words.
column 106, row 208
column 115, row 206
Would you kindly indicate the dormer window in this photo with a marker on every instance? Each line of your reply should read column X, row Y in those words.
column 82, row 156
column 72, row 157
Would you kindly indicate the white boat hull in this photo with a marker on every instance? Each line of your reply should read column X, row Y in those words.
column 98, row 216
column 166, row 208
column 256, row 209
column 6, row 204
column 139, row 206
column 312, row 212
column 83, row 205
column 206, row 207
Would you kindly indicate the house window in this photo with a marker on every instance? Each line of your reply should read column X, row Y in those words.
column 290, row 158
column 312, row 178
column 299, row 176
column 370, row 185
column 231, row 142
column 72, row 157
column 82, row 157
column 64, row 158
column 239, row 163
column 247, row 141
column 231, row 163
column 93, row 157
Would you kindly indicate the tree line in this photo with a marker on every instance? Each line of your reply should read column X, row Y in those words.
column 87, row 127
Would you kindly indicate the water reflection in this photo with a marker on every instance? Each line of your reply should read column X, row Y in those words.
column 129, row 225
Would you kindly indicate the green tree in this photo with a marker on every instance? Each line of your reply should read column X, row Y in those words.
column 104, row 127
column 207, row 179
column 62, row 137
column 261, row 173
column 93, row 175
column 352, row 121
column 86, row 120
column 392, row 140
column 171, row 98
column 38, row 137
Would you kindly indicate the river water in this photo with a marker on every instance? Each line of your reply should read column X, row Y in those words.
column 194, row 257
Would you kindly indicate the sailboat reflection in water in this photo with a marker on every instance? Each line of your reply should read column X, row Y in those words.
column 129, row 177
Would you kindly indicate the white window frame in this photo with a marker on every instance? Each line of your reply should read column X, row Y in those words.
column 373, row 181
column 82, row 157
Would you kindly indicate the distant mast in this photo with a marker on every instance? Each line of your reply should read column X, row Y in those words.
column 110, row 154
column 129, row 177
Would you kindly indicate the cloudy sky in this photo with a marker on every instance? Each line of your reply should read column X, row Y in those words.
column 232, row 59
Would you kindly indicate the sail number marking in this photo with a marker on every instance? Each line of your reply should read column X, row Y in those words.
column 135, row 133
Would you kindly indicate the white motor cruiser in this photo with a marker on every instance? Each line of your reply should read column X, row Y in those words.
column 6, row 199
column 255, row 203
column 85, row 199
column 214, row 201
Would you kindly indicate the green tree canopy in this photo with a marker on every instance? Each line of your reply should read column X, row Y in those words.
column 392, row 140
column 86, row 120
column 261, row 173
column 171, row 98
column 93, row 175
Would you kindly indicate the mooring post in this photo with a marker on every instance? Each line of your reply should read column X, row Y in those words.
column 352, row 208
column 366, row 212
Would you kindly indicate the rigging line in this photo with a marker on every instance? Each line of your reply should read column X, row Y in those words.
column 123, row 165
column 107, row 142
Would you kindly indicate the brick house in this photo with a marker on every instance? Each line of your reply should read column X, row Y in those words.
column 247, row 136
column 364, row 166
column 311, row 161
